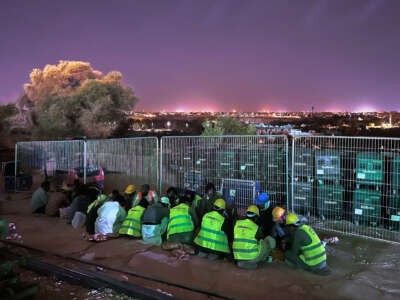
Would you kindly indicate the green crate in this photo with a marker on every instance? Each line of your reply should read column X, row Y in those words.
column 396, row 175
column 303, row 163
column 225, row 164
column 273, row 165
column 327, row 165
column 249, row 164
column 303, row 197
column 367, row 206
column 330, row 201
column 369, row 168
column 394, row 212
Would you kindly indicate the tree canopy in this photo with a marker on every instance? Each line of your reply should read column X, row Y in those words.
column 227, row 126
column 72, row 98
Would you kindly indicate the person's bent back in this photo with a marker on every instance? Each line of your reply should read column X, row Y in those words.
column 40, row 198
column 155, row 222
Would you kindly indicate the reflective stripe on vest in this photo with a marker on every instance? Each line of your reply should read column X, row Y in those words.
column 211, row 236
column 245, row 245
column 179, row 220
column 131, row 225
column 314, row 253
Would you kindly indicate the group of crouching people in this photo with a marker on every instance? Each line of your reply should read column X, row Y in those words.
column 195, row 224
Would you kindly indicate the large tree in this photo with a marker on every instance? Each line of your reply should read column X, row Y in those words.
column 227, row 126
column 73, row 99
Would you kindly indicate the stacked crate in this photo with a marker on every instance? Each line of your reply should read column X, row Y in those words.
column 394, row 200
column 303, row 196
column 330, row 192
column 367, row 197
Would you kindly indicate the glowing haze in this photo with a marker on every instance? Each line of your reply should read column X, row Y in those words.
column 216, row 55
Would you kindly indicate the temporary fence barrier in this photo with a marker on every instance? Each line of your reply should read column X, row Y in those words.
column 111, row 162
column 239, row 166
column 348, row 184
column 345, row 184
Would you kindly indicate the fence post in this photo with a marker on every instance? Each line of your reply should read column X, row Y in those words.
column 84, row 161
column 15, row 167
column 287, row 172
column 292, row 171
column 160, row 163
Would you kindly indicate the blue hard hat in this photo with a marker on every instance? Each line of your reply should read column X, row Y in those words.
column 262, row 199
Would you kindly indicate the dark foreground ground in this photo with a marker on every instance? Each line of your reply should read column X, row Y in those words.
column 361, row 269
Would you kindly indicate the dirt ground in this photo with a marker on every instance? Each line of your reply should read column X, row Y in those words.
column 361, row 269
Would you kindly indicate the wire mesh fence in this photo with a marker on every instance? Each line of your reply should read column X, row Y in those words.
column 111, row 164
column 239, row 166
column 348, row 184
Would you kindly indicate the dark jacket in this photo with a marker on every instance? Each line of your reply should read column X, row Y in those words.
column 265, row 221
column 155, row 213
column 81, row 204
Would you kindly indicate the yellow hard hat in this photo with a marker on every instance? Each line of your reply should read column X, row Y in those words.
column 130, row 189
column 253, row 209
column 220, row 203
column 277, row 213
column 292, row 219
column 64, row 187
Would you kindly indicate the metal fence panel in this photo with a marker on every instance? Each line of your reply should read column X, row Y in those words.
column 239, row 166
column 124, row 161
column 348, row 184
column 48, row 159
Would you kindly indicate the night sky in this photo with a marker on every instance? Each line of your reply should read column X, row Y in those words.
column 221, row 55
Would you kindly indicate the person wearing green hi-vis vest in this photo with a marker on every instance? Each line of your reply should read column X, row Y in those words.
column 212, row 240
column 132, row 223
column 306, row 249
column 182, row 222
column 249, row 247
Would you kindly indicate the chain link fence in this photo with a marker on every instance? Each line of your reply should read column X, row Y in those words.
column 348, row 184
column 239, row 166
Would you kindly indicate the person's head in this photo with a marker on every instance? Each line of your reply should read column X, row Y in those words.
column 210, row 189
column 165, row 201
column 189, row 196
column 219, row 205
column 130, row 189
column 252, row 212
column 263, row 201
column 145, row 189
column 292, row 221
column 172, row 193
column 278, row 215
column 122, row 201
column 115, row 194
column 45, row 185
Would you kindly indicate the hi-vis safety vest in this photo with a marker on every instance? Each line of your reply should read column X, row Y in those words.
column 245, row 245
column 314, row 253
column 211, row 236
column 180, row 220
column 150, row 194
column 131, row 225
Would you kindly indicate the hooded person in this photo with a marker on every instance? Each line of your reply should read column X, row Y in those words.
column 110, row 217
column 172, row 194
column 155, row 221
column 249, row 246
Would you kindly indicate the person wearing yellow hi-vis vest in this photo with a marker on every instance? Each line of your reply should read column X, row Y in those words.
column 249, row 247
column 212, row 240
column 306, row 249
column 182, row 221
column 132, row 223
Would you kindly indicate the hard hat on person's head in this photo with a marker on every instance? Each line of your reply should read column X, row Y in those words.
column 64, row 187
column 252, row 210
column 220, row 203
column 262, row 199
column 277, row 213
column 292, row 219
column 165, row 200
column 130, row 189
